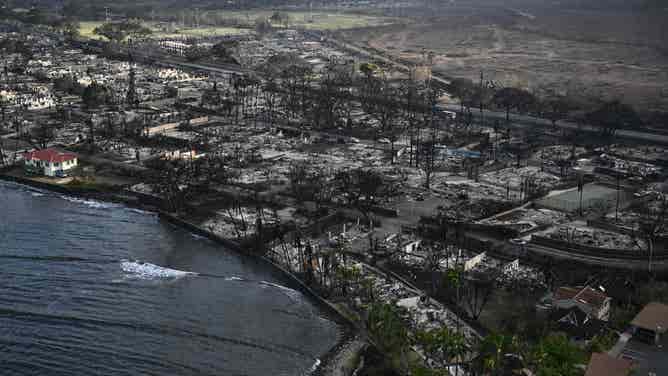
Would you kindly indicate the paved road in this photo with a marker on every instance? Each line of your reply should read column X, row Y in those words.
column 593, row 260
column 520, row 120
column 527, row 121
column 516, row 119
column 372, row 55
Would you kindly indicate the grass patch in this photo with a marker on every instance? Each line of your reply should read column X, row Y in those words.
column 89, row 185
column 345, row 311
column 86, row 29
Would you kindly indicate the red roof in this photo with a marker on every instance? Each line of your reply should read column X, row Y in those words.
column 653, row 317
column 49, row 155
column 605, row 365
column 586, row 295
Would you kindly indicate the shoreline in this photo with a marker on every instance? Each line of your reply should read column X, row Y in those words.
column 327, row 364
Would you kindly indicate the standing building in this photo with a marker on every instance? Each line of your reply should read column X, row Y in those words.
column 50, row 162
column 592, row 302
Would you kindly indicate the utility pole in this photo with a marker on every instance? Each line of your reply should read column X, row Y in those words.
column 107, row 16
column 580, row 189
column 617, row 204
column 196, row 17
column 131, row 98
column 482, row 119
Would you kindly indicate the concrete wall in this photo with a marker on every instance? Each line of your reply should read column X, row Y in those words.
column 151, row 131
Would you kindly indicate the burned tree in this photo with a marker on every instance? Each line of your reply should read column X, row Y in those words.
column 555, row 107
column 379, row 100
column 41, row 135
column 612, row 116
column 510, row 98
column 177, row 181
column 295, row 81
column 413, row 94
column 330, row 95
column 462, row 89
column 172, row 181
column 477, row 290
column 427, row 150
column 361, row 188
column 652, row 225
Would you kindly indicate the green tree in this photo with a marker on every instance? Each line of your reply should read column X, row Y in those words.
column 555, row 355
column 388, row 331
column 120, row 31
column 493, row 351
column 442, row 345
column 72, row 30
column 280, row 18
column 368, row 69
column 602, row 342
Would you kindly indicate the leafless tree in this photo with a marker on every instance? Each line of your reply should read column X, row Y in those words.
column 652, row 224
column 361, row 188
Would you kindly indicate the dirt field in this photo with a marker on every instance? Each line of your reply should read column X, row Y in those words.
column 605, row 55
column 87, row 27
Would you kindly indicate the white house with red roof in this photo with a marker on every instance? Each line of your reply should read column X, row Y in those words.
column 592, row 302
column 50, row 162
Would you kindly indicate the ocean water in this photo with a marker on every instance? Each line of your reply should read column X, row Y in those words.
column 92, row 288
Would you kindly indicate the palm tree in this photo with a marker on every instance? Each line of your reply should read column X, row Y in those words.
column 492, row 352
column 556, row 355
column 443, row 345
column 389, row 332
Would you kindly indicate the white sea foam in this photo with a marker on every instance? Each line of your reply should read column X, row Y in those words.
column 292, row 294
column 199, row 237
column 234, row 279
column 314, row 367
column 145, row 270
column 37, row 194
column 90, row 203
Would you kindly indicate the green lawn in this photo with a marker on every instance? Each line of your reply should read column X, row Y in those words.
column 86, row 29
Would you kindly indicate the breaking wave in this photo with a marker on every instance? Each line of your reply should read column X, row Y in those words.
column 90, row 203
column 290, row 293
column 234, row 279
column 145, row 270
column 139, row 211
column 314, row 367
column 198, row 237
